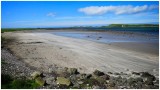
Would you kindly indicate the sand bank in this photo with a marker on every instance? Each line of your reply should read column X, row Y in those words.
column 42, row 50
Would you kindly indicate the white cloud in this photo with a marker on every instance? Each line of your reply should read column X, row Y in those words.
column 125, row 9
column 50, row 14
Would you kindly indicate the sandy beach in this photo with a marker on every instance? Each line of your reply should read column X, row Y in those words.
column 43, row 50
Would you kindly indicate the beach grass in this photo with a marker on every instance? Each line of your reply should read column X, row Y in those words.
column 9, row 82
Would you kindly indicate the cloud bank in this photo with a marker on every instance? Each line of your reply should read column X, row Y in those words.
column 125, row 9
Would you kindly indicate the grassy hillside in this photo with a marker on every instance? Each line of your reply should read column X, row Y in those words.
column 132, row 25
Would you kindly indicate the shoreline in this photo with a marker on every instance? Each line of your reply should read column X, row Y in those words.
column 49, row 54
column 82, row 53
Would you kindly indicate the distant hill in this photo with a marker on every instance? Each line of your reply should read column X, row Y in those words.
column 131, row 25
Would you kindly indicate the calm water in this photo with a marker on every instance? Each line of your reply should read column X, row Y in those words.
column 136, row 35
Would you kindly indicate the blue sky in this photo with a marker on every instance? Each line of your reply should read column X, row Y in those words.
column 79, row 13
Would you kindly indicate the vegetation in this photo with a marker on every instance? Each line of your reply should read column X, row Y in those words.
column 8, row 82
column 132, row 25
column 81, row 27
column 15, row 29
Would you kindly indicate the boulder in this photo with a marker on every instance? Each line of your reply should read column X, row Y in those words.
column 63, row 81
column 100, row 80
column 50, row 80
column 105, row 77
column 72, row 71
column 50, row 70
column 148, row 81
column 147, row 75
column 131, row 81
column 40, row 81
column 98, row 73
column 85, row 76
column 96, row 87
column 110, row 84
column 136, row 73
column 36, row 74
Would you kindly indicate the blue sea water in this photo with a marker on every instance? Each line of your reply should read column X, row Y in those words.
column 119, row 35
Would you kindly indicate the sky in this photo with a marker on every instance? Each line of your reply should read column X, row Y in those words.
column 37, row 14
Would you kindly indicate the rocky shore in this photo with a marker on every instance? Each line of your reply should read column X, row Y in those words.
column 63, row 78
column 58, row 77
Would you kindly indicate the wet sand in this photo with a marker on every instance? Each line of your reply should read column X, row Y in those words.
column 42, row 50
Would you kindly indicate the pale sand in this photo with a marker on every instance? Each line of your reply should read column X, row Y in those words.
column 82, row 54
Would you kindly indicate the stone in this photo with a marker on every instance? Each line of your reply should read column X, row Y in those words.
column 116, row 73
column 65, row 68
column 95, row 87
column 88, row 76
column 50, row 80
column 82, row 76
column 63, row 81
column 136, row 73
column 80, row 82
column 148, row 81
column 40, row 81
column 131, row 81
column 111, row 84
column 50, row 70
column 138, row 85
column 105, row 77
column 100, row 79
column 139, row 79
column 98, row 73
column 73, row 79
column 147, row 75
column 110, row 73
column 36, row 74
column 85, row 76
column 76, row 85
column 62, row 73
column 72, row 71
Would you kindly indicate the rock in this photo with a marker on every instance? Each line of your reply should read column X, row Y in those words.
column 148, row 81
column 76, row 85
column 110, row 84
column 62, row 73
column 138, row 85
column 136, row 73
column 110, row 73
column 156, row 82
column 88, row 76
column 82, row 76
column 50, row 70
column 50, row 80
column 105, row 77
column 40, row 81
column 116, row 73
column 98, row 73
column 100, row 80
column 139, row 79
column 36, row 74
column 131, row 81
column 72, row 71
column 73, row 79
column 147, row 75
column 63, row 81
column 85, row 76
column 80, row 82
column 95, row 87
column 65, row 69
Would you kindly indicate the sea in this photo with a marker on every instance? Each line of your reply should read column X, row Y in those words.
column 111, row 35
